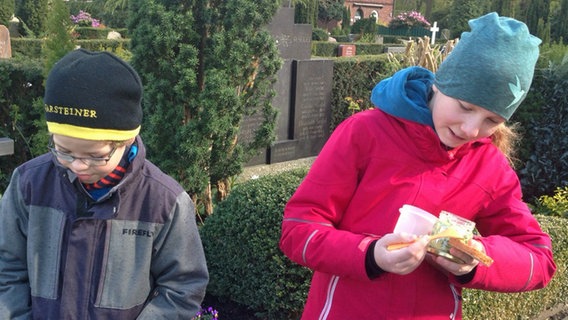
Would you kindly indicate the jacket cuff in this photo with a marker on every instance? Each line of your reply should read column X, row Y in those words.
column 463, row 279
column 371, row 266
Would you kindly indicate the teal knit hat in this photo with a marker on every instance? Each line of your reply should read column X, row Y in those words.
column 492, row 66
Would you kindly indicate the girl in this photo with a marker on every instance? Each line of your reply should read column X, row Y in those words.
column 429, row 144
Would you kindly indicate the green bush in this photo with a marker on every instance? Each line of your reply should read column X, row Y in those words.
column 31, row 48
column 26, row 47
column 33, row 15
column 241, row 245
column 555, row 205
column 119, row 47
column 319, row 34
column 370, row 49
column 342, row 37
column 355, row 77
column 365, row 26
column 324, row 49
column 97, row 33
column 547, row 163
column 6, row 10
column 20, row 86
column 330, row 49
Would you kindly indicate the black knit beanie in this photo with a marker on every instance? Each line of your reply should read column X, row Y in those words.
column 93, row 96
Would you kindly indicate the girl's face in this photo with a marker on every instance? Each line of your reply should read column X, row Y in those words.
column 91, row 164
column 457, row 122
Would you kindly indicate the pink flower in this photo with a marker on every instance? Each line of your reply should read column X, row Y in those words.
column 409, row 19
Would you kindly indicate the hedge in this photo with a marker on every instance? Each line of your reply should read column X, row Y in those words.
column 241, row 245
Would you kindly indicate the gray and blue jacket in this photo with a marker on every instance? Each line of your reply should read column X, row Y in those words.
column 133, row 254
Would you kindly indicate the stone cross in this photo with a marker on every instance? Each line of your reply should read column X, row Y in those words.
column 434, row 30
column 5, row 48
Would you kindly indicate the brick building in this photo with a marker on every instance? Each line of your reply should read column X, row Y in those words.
column 381, row 9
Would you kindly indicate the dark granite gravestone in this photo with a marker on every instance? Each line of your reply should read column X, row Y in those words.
column 303, row 95
column 310, row 112
column 294, row 40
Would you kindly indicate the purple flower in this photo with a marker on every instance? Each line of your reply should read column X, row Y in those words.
column 84, row 18
column 206, row 314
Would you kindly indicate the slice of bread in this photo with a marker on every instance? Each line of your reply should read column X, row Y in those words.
column 476, row 254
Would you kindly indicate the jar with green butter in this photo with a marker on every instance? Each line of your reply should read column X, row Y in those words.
column 442, row 246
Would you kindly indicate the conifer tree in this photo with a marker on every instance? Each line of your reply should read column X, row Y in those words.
column 306, row 11
column 461, row 11
column 33, row 13
column 537, row 10
column 58, row 40
column 205, row 65
column 559, row 28
column 6, row 11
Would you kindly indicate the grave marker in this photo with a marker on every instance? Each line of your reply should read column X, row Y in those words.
column 5, row 47
column 395, row 50
column 303, row 95
column 6, row 146
column 434, row 30
column 346, row 50
column 310, row 112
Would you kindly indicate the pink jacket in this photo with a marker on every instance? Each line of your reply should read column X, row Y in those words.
column 372, row 165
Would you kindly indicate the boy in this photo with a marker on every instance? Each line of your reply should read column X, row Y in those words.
column 93, row 230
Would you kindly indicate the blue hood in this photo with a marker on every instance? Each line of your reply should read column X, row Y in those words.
column 406, row 95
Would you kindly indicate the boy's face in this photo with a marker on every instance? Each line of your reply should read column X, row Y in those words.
column 457, row 122
column 86, row 169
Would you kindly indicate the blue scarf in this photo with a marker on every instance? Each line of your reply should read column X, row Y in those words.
column 406, row 95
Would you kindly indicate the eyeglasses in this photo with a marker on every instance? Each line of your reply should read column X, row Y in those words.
column 90, row 161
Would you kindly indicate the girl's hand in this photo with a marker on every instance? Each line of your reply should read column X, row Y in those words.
column 401, row 261
column 460, row 269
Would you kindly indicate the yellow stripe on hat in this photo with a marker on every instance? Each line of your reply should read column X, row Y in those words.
column 98, row 134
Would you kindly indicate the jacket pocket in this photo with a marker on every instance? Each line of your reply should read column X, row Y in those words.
column 126, row 280
column 45, row 244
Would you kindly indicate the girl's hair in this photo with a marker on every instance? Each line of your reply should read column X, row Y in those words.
column 506, row 139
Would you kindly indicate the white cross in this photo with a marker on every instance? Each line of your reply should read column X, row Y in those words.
column 434, row 29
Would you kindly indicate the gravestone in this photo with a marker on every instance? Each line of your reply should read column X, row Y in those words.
column 434, row 31
column 446, row 34
column 6, row 146
column 346, row 50
column 293, row 40
column 310, row 112
column 394, row 50
column 5, row 47
column 303, row 95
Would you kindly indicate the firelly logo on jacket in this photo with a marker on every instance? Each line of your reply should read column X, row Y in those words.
column 138, row 232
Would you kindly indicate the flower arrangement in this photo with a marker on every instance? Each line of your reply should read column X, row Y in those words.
column 206, row 314
column 84, row 19
column 408, row 20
